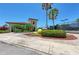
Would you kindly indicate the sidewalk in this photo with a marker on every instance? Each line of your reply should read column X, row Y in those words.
column 48, row 46
column 8, row 49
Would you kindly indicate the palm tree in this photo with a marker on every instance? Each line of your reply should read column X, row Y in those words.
column 46, row 7
column 53, row 14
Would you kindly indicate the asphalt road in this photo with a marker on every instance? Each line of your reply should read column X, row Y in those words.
column 7, row 49
column 75, row 32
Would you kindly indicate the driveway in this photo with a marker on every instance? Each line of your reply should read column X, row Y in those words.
column 7, row 49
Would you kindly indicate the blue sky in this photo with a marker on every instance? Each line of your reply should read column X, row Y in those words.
column 20, row 12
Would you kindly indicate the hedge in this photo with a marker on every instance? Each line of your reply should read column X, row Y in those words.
column 4, row 31
column 17, row 30
column 54, row 33
column 23, row 28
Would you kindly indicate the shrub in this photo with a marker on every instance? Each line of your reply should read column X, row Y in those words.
column 27, row 31
column 39, row 31
column 3, row 28
column 24, row 27
column 4, row 31
column 36, row 34
column 54, row 33
column 18, row 30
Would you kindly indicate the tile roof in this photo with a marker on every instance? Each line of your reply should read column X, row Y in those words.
column 17, row 22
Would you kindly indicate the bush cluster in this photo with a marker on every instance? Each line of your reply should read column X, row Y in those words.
column 22, row 28
column 3, row 28
column 54, row 33
column 4, row 31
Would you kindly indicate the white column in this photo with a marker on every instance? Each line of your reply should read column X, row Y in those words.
column 10, row 27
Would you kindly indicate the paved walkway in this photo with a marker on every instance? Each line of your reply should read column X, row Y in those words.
column 7, row 49
column 69, row 47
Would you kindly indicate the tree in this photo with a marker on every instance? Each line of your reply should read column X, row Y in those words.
column 46, row 7
column 5, row 25
column 53, row 14
column 77, row 20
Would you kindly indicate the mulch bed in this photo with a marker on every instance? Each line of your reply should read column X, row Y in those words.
column 68, row 37
column 71, row 37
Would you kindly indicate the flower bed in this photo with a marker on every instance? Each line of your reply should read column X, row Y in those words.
column 52, row 34
column 68, row 37
column 3, row 29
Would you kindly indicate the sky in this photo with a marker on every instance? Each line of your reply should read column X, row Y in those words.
column 20, row 12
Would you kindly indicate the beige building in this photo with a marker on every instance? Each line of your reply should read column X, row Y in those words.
column 30, row 21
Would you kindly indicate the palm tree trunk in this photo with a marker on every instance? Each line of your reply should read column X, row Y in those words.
column 53, row 24
column 46, row 19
